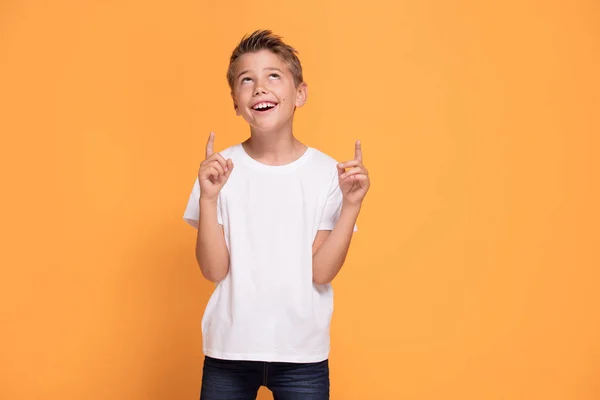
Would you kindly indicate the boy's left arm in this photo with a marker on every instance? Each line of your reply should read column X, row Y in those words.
column 331, row 247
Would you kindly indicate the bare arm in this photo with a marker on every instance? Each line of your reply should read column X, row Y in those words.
column 211, row 249
column 331, row 247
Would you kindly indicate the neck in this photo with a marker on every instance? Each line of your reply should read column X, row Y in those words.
column 274, row 147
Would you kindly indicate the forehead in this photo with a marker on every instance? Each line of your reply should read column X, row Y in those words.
column 259, row 60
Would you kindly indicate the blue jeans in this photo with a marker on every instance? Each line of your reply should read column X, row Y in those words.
column 240, row 380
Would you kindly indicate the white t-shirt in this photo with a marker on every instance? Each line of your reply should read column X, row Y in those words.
column 267, row 308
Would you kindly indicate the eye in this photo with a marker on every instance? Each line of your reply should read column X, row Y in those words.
column 274, row 75
column 246, row 79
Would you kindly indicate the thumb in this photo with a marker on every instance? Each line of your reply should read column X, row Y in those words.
column 229, row 166
column 340, row 169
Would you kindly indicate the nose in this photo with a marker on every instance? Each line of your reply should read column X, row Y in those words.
column 260, row 89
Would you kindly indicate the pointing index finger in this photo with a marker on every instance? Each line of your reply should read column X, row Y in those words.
column 357, row 151
column 210, row 145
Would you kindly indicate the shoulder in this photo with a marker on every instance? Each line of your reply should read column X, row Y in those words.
column 322, row 159
column 324, row 168
column 231, row 151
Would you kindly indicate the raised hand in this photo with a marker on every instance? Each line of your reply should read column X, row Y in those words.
column 354, row 182
column 214, row 172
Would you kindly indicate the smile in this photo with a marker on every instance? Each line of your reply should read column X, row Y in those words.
column 264, row 106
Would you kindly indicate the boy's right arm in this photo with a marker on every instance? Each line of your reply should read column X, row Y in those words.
column 211, row 249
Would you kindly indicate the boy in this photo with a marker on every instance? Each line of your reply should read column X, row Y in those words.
column 275, row 219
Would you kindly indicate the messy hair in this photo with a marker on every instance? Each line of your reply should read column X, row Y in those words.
column 266, row 40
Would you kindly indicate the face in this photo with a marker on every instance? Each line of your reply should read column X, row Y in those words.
column 264, row 93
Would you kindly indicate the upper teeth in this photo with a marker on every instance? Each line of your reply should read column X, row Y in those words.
column 263, row 105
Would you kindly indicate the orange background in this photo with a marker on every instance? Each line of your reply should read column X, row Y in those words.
column 475, row 271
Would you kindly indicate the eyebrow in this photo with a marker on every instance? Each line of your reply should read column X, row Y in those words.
column 268, row 68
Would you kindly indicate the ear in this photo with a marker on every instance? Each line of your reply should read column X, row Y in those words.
column 301, row 94
column 235, row 106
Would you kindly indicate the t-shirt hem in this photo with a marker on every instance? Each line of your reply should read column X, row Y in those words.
column 194, row 222
column 329, row 227
column 267, row 357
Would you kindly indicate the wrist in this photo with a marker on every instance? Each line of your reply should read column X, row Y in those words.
column 352, row 208
column 208, row 200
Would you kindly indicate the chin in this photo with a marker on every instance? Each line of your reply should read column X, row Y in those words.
column 267, row 125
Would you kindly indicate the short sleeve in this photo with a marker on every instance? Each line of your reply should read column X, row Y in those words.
column 333, row 206
column 191, row 214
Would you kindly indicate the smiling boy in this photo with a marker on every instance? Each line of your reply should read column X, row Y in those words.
column 274, row 221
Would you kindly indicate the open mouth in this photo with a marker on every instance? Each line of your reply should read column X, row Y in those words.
column 264, row 106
